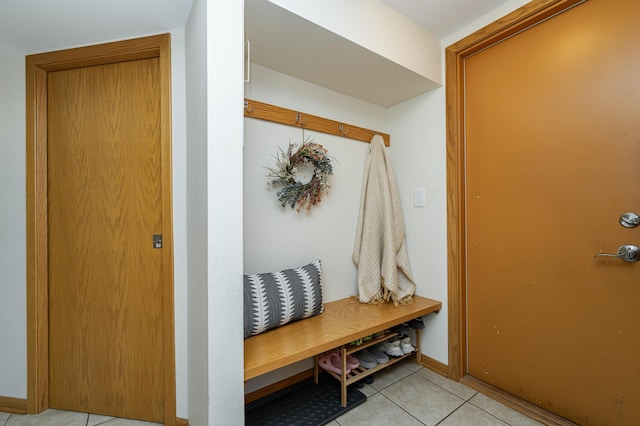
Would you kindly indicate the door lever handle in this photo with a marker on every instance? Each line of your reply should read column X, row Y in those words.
column 628, row 252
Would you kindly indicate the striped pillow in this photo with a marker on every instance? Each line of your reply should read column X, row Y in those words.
column 274, row 299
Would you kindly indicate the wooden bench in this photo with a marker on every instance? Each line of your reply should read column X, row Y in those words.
column 342, row 322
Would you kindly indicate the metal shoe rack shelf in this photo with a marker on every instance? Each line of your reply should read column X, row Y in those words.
column 360, row 372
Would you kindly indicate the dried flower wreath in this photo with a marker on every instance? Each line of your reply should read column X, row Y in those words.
column 288, row 174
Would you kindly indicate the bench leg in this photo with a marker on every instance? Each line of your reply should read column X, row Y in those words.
column 316, row 370
column 343, row 378
column 418, row 350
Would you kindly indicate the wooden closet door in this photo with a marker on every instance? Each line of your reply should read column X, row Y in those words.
column 104, row 206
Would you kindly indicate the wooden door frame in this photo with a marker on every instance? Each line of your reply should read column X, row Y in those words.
column 37, row 67
column 455, row 55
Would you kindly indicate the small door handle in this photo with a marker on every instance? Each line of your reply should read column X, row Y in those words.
column 628, row 252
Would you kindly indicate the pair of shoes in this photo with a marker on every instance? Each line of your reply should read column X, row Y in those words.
column 371, row 356
column 378, row 355
column 361, row 341
column 391, row 347
column 360, row 383
column 416, row 323
column 402, row 329
column 352, row 362
column 365, row 358
column 406, row 346
column 333, row 362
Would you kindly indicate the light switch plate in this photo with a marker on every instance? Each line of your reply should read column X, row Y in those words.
column 419, row 197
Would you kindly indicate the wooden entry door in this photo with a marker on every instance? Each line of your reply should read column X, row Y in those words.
column 109, row 287
column 552, row 145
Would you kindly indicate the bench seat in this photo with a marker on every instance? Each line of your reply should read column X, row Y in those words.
column 342, row 322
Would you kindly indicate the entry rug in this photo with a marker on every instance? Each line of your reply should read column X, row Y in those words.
column 304, row 403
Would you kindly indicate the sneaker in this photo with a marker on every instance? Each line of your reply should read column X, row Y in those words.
column 416, row 324
column 378, row 355
column 406, row 346
column 391, row 348
column 402, row 329
column 366, row 360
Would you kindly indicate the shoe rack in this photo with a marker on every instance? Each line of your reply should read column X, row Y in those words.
column 359, row 373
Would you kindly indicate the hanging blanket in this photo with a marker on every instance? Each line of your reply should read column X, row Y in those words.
column 380, row 251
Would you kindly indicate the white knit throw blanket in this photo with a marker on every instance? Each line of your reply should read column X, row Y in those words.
column 380, row 251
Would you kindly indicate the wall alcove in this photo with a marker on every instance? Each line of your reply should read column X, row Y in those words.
column 353, row 56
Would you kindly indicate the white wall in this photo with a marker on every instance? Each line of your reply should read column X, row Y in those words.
column 196, row 109
column 13, row 297
column 13, row 317
column 179, row 142
column 214, row 156
column 417, row 127
column 225, row 65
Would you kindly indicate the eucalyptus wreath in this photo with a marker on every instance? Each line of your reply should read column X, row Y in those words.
column 287, row 174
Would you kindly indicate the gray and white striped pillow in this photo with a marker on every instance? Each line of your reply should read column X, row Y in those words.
column 274, row 299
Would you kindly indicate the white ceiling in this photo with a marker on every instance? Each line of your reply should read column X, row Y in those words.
column 443, row 17
column 31, row 26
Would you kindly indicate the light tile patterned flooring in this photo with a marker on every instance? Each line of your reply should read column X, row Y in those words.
column 66, row 418
column 405, row 394
column 408, row 394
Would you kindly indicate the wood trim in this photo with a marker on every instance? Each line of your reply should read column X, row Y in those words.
column 289, row 117
column 434, row 365
column 527, row 16
column 520, row 405
column 37, row 67
column 13, row 405
column 164, row 46
column 101, row 54
column 37, row 259
column 182, row 422
column 275, row 387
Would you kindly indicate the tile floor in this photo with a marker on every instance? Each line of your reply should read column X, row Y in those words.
column 405, row 394
column 408, row 394
column 66, row 418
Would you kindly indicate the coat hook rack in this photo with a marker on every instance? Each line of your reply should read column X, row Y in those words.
column 289, row 117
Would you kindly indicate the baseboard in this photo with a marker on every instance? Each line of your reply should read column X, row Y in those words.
column 434, row 365
column 518, row 404
column 274, row 387
column 19, row 406
column 13, row 405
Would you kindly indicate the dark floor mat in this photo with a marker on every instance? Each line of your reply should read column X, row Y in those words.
column 304, row 403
